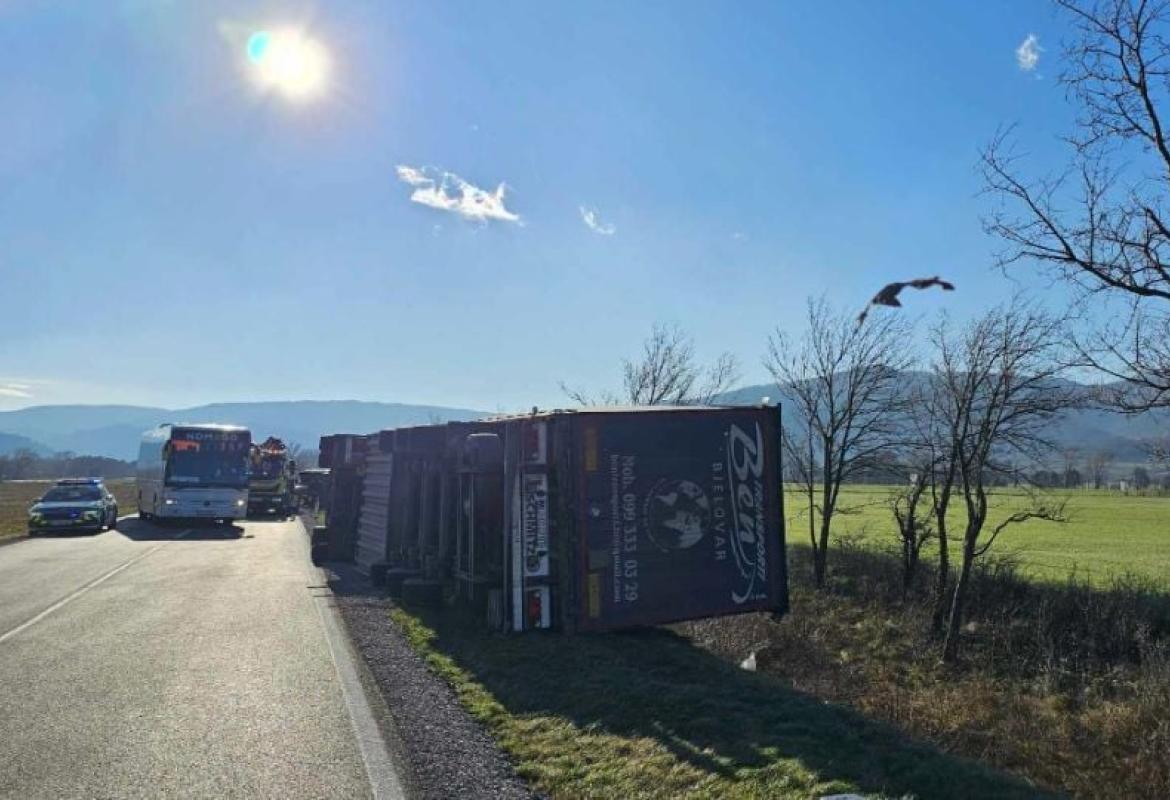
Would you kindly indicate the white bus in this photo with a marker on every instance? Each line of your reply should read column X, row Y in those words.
column 194, row 472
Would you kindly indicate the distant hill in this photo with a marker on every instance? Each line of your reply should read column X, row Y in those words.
column 1088, row 430
column 10, row 443
column 114, row 431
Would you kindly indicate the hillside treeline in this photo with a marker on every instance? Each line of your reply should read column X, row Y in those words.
column 28, row 465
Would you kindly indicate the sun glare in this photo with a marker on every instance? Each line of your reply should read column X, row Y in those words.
column 289, row 62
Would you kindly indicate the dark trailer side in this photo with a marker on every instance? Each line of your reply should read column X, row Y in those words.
column 585, row 520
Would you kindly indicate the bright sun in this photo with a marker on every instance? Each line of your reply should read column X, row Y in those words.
column 289, row 62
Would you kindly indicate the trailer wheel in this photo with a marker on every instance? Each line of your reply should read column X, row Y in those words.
column 319, row 535
column 319, row 554
column 420, row 592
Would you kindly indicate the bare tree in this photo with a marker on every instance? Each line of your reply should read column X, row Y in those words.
column 997, row 388
column 1102, row 224
column 1098, row 464
column 842, row 381
column 666, row 373
column 913, row 516
column 1071, row 475
column 22, row 462
column 303, row 457
column 1157, row 450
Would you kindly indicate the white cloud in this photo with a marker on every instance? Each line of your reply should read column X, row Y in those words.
column 449, row 192
column 593, row 222
column 739, row 236
column 414, row 177
column 1028, row 53
column 21, row 390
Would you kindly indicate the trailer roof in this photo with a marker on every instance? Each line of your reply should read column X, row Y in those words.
column 552, row 412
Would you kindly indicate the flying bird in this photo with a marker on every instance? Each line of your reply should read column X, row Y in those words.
column 888, row 296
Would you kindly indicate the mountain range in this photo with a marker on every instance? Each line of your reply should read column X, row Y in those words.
column 1088, row 429
column 115, row 431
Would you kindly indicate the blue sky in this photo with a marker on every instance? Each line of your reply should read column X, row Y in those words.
column 171, row 234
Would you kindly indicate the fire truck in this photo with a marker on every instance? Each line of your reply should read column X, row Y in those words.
column 271, row 479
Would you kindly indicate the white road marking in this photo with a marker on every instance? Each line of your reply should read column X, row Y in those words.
column 384, row 781
column 95, row 582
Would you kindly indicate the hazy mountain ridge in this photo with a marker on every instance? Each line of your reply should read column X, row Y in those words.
column 10, row 442
column 116, row 430
column 1087, row 429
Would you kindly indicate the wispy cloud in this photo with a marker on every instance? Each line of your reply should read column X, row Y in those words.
column 1028, row 53
column 446, row 191
column 593, row 222
column 21, row 390
column 739, row 236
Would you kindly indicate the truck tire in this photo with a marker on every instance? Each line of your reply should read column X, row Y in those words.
column 378, row 574
column 319, row 535
column 319, row 554
column 395, row 579
column 421, row 592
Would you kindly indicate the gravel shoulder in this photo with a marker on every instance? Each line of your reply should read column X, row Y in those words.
column 449, row 753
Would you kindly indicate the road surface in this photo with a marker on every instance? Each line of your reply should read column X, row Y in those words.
column 179, row 662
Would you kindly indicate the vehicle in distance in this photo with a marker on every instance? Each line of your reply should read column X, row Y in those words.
column 194, row 472
column 74, row 504
column 271, row 479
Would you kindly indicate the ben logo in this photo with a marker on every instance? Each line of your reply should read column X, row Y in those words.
column 745, row 464
column 677, row 514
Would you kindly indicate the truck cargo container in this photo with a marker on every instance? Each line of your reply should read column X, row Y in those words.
column 344, row 456
column 585, row 520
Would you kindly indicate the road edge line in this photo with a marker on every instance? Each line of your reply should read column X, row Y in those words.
column 385, row 782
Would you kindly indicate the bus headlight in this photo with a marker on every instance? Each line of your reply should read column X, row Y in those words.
column 240, row 503
column 170, row 501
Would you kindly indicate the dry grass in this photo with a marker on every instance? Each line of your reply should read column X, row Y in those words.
column 17, row 496
column 1066, row 686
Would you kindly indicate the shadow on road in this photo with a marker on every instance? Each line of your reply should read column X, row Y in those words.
column 142, row 531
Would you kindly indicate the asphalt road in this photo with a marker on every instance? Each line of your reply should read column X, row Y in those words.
column 154, row 662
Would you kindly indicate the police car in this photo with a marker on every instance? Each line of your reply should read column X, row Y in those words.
column 74, row 504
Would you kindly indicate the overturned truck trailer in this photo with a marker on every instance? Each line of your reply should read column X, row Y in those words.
column 580, row 520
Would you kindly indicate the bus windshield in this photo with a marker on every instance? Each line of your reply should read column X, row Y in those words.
column 207, row 462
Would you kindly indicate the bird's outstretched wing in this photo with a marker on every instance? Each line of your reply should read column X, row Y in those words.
column 888, row 294
column 926, row 283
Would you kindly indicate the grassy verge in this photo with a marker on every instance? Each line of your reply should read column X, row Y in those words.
column 1065, row 685
column 17, row 496
column 1062, row 686
column 652, row 714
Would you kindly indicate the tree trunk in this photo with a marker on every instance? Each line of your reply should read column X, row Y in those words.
column 909, row 566
column 821, row 554
column 941, row 581
column 955, row 623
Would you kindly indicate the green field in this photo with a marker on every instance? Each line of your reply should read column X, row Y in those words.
column 1107, row 533
column 17, row 496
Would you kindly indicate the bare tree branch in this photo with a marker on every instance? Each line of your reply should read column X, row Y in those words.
column 843, row 385
column 666, row 373
column 1102, row 225
column 996, row 388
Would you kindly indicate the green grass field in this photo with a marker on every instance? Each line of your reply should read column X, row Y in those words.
column 1107, row 534
column 17, row 496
